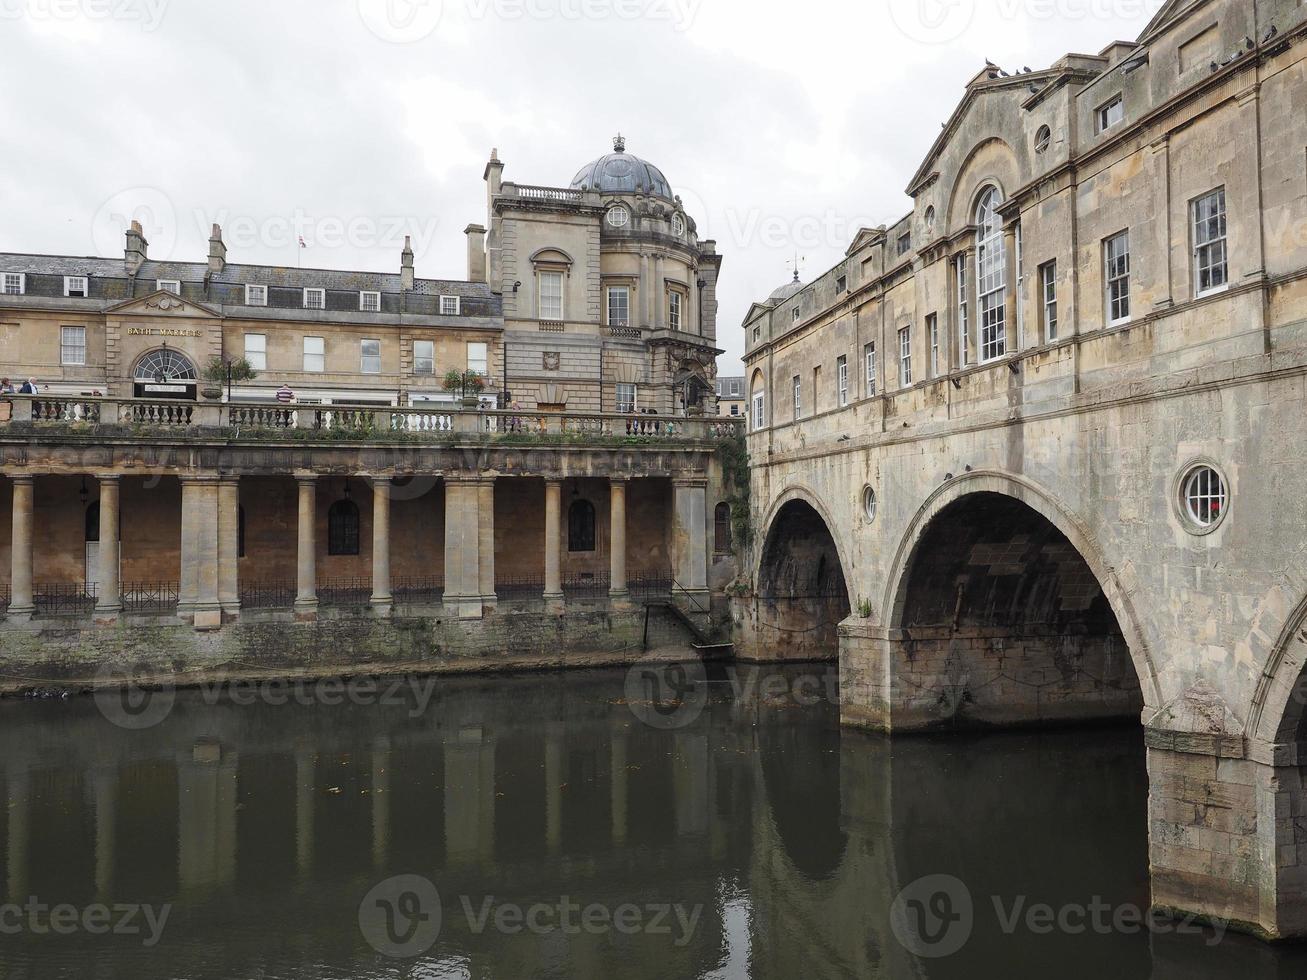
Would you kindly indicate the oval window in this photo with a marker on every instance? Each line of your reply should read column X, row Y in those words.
column 869, row 503
column 618, row 217
column 1203, row 496
column 678, row 225
column 1043, row 139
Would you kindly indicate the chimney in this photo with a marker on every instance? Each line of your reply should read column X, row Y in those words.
column 494, row 175
column 406, row 266
column 137, row 250
column 476, row 253
column 217, row 251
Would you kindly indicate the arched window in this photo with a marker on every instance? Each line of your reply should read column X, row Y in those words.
column 164, row 365
column 581, row 526
column 991, row 276
column 343, row 528
column 722, row 529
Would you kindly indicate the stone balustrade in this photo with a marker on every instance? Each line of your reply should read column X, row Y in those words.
column 363, row 421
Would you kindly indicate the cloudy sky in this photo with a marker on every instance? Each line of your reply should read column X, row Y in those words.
column 784, row 125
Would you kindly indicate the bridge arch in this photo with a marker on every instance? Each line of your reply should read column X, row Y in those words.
column 1048, row 588
column 1279, row 709
column 802, row 581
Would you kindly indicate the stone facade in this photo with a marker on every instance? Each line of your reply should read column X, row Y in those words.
column 1048, row 425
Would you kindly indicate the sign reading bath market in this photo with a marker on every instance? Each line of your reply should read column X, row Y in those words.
column 162, row 332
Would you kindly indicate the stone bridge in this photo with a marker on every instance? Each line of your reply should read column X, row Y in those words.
column 1033, row 454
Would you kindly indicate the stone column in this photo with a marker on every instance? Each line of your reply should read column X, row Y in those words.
column 229, row 537
column 617, row 590
column 462, row 549
column 109, row 602
column 382, row 601
column 1013, row 295
column 21, row 604
column 553, row 544
column 646, row 293
column 188, row 588
column 486, row 540
column 200, row 552
column 306, row 600
column 690, row 543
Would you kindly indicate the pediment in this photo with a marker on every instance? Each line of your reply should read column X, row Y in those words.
column 163, row 303
column 865, row 237
column 1172, row 11
column 757, row 310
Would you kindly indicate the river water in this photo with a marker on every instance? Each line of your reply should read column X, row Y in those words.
column 573, row 825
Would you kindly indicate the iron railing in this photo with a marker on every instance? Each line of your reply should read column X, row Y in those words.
column 64, row 598
column 345, row 593
column 417, row 590
column 158, row 598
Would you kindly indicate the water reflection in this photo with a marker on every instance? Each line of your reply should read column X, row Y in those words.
column 264, row 827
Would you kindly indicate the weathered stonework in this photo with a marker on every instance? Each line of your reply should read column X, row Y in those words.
column 1002, row 481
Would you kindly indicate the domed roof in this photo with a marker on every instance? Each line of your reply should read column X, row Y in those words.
column 621, row 173
column 789, row 289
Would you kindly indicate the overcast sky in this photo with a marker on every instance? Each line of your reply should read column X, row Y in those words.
column 784, row 125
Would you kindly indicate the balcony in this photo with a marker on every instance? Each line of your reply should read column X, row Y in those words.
column 273, row 421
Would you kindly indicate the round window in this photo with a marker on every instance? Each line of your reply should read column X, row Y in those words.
column 1043, row 139
column 869, row 503
column 678, row 225
column 1203, row 497
column 618, row 217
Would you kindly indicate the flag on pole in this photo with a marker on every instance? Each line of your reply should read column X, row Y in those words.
column 303, row 243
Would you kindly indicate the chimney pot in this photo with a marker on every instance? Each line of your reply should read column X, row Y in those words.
column 406, row 273
column 217, row 251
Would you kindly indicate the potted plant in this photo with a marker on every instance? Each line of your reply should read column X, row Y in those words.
column 468, row 385
column 220, row 372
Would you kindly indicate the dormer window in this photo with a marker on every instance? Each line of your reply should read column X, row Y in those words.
column 369, row 301
column 1111, row 114
column 450, row 305
column 256, row 295
column 13, row 283
column 76, row 286
column 315, row 299
column 173, row 286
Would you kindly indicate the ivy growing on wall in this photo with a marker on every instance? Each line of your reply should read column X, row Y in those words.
column 733, row 455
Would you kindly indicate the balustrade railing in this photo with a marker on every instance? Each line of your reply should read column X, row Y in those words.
column 367, row 421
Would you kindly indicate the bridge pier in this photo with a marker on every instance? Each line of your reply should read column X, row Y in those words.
column 1227, row 835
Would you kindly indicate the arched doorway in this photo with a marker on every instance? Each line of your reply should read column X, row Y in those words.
column 802, row 594
column 165, row 373
column 999, row 620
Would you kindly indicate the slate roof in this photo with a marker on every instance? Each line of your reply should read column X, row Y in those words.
column 110, row 285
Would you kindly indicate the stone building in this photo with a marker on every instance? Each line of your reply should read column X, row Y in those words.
column 1032, row 453
column 730, row 397
column 147, row 488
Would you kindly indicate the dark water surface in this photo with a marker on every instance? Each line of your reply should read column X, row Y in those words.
column 566, row 837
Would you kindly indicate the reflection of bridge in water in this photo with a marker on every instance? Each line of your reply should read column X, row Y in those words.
column 266, row 826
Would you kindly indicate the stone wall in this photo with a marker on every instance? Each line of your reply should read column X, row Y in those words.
column 50, row 653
